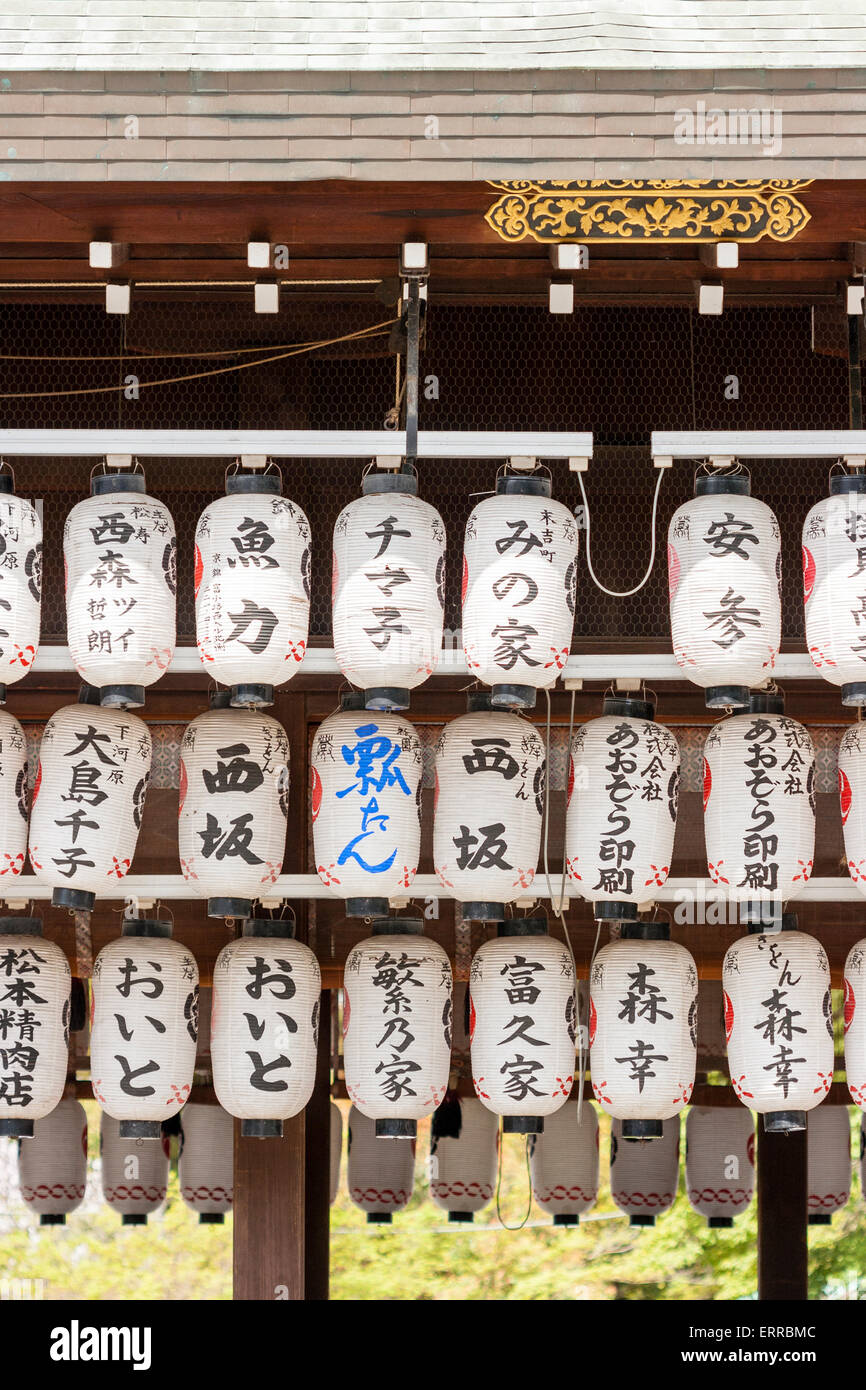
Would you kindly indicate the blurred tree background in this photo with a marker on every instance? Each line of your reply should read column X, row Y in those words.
column 419, row 1257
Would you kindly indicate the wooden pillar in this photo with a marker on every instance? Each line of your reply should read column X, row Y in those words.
column 317, row 1177
column 783, row 1251
column 269, row 1214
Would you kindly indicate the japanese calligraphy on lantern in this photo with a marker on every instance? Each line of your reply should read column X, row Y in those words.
column 489, row 802
column 522, row 1025
column 35, row 983
column 779, row 1021
column 252, row 587
column 264, row 1027
column 397, row 1025
column 88, row 801
column 724, row 574
column 20, row 586
column 759, row 807
column 388, row 590
column 234, row 791
column 144, row 1029
column 623, row 785
column 834, row 584
column 643, row 1028
column 120, row 553
column 366, row 803
column 519, row 585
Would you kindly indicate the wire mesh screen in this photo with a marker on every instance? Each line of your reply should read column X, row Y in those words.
column 620, row 372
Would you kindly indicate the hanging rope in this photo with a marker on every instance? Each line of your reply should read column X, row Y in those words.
column 499, row 1187
column 626, row 593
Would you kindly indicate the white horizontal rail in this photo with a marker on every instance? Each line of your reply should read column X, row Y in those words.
column 310, row 887
column 324, row 444
column 759, row 444
column 320, row 661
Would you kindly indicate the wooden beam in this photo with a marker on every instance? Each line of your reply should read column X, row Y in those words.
column 783, row 1247
column 269, row 1226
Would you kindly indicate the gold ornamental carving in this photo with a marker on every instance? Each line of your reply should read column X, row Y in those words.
column 670, row 210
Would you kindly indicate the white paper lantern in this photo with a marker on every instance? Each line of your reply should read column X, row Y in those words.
column 397, row 1025
column 852, row 799
column 366, row 806
column 388, row 589
column 855, row 1023
column 13, row 799
column 336, row 1150
column 623, row 789
column 252, row 587
column 144, row 1027
column 519, row 585
column 828, row 1143
column 20, row 584
column 759, row 809
column 564, row 1164
column 720, row 1162
column 462, row 1165
column 522, row 1024
column 134, row 1173
column 234, row 797
column 490, row 770
column 645, row 1173
column 381, row 1172
column 35, row 983
column 265, row 1027
column 643, row 1028
column 779, row 1023
column 52, row 1166
column 724, row 577
column 88, row 801
column 834, row 550
column 120, row 557
column 205, row 1165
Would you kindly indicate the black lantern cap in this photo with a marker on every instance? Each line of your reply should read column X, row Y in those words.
column 386, row 697
column 820, row 1218
column 523, row 926
column 140, row 1129
column 726, row 697
column 645, row 931
column 482, row 912
column 722, row 484
column 398, row 926
column 145, row 926
column 102, row 484
column 16, row 1129
column 854, row 693
column 373, row 484
column 784, row 1121
column 378, row 1218
column 280, row 927
column 461, row 1216
column 263, row 484
column 766, row 702
column 766, row 916
column 51, row 1218
column 523, row 485
column 640, row 1219
column 252, row 696
column 611, row 910
column 513, row 697
column 131, row 1218
column 261, row 1129
column 642, row 1129
column 73, row 898
column 840, row 483
column 628, row 706
column 396, row 1129
column 121, row 696
column 352, row 700
column 211, row 1218
column 566, row 1218
column 522, row 1124
column 478, row 700
column 229, row 907
column 20, row 926
column 220, row 699
column 366, row 907
column 7, row 483
column 718, row 1223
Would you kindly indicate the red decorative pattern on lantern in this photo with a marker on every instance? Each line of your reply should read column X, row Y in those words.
column 850, row 1003
column 729, row 1017
column 316, row 791
column 184, row 784
column 199, row 570
column 708, row 783
column 570, row 779
column 471, row 1019
column 347, row 1010
column 593, row 1021
column 844, row 795
column 465, row 581
column 673, row 570
column 809, row 570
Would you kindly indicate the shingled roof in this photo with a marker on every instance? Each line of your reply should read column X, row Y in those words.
column 394, row 35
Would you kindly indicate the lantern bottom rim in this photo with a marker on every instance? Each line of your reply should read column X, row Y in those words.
column 854, row 693
column 229, row 907
column 211, row 1218
column 396, row 1129
column 251, row 696
column 725, row 696
column 818, row 1218
column 386, row 697
column 642, row 1129
column 366, row 907
column 482, row 912
column 16, row 1129
column 140, row 1129
column 718, row 1223
column 566, row 1218
column 74, row 898
column 52, row 1218
column 522, row 1124
column 614, row 910
column 641, row 1219
column 121, row 696
column 513, row 696
column 784, row 1121
column 378, row 1218
column 133, row 1218
column 261, row 1129
column 461, row 1216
